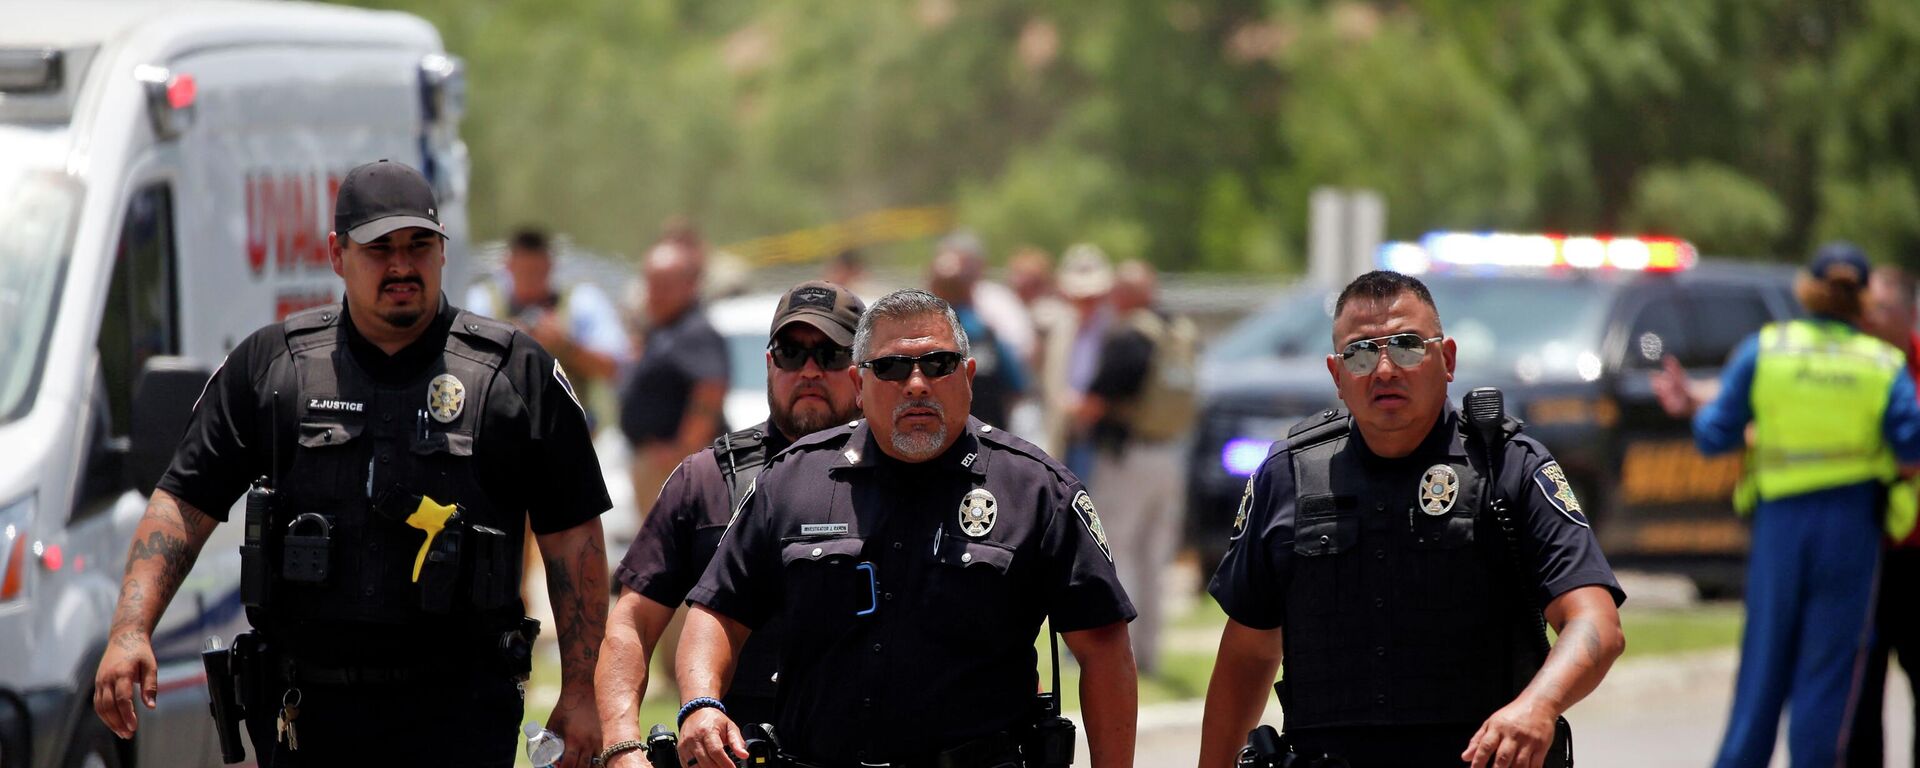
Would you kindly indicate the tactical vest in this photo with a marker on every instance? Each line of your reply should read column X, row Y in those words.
column 362, row 455
column 1819, row 395
column 741, row 455
column 740, row 458
column 1168, row 402
column 1401, row 609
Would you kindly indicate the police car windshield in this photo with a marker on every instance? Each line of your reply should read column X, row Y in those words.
column 1528, row 329
column 1508, row 328
column 38, row 208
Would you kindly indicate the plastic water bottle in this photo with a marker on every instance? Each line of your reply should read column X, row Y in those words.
column 544, row 747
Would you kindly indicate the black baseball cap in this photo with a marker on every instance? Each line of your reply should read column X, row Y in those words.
column 378, row 198
column 824, row 305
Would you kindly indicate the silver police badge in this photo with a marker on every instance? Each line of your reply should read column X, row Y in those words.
column 1439, row 489
column 978, row 510
column 446, row 396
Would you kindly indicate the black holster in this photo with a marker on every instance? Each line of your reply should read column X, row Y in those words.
column 234, row 681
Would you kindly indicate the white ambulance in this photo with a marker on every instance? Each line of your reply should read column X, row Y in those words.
column 167, row 172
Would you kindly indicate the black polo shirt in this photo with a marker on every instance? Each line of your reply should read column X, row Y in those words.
column 533, row 450
column 906, row 633
column 673, row 359
column 676, row 543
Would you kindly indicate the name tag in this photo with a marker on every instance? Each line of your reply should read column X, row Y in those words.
column 818, row 529
column 346, row 406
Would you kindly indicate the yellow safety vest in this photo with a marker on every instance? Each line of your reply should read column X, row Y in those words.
column 1819, row 395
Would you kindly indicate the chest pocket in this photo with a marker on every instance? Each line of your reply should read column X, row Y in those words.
column 1322, row 529
column 330, row 462
column 970, row 591
column 826, row 587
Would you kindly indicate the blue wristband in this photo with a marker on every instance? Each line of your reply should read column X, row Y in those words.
column 695, row 705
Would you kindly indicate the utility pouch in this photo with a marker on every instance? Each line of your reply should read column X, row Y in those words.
column 496, row 572
column 307, row 549
column 441, row 571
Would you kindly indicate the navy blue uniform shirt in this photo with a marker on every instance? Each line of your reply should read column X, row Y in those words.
column 676, row 543
column 1558, row 545
column 912, row 593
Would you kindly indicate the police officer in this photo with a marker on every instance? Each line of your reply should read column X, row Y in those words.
column 807, row 391
column 912, row 555
column 1832, row 415
column 1368, row 556
column 407, row 442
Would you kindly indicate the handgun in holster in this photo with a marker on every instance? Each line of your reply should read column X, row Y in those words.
column 232, row 675
column 763, row 747
column 516, row 646
column 1268, row 748
column 663, row 748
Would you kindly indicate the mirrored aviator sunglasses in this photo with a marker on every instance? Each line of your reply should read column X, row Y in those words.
column 793, row 357
column 1406, row 350
column 898, row 367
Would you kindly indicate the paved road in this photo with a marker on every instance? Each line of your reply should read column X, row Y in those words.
column 1657, row 713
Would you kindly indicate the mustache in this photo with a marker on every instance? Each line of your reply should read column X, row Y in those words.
column 931, row 405
column 413, row 280
column 807, row 387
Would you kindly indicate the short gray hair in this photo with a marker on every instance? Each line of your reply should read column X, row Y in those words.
column 904, row 305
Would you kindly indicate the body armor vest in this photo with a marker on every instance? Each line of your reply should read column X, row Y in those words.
column 364, row 453
column 1402, row 607
column 741, row 455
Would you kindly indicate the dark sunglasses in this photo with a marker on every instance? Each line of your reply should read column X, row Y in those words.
column 1406, row 350
column 898, row 367
column 793, row 357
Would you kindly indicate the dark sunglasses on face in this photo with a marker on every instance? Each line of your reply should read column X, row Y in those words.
column 1406, row 350
column 898, row 367
column 793, row 357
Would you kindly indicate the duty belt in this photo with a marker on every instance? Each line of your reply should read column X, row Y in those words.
column 984, row 751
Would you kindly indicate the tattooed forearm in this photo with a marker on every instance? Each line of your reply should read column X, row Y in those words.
column 163, row 550
column 576, row 566
column 1589, row 641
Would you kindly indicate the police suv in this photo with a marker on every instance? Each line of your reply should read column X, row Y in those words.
column 167, row 172
column 1570, row 328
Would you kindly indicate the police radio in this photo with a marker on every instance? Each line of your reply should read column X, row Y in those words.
column 1486, row 415
column 256, row 577
column 1050, row 744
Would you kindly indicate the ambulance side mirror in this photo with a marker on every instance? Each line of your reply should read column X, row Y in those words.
column 163, row 399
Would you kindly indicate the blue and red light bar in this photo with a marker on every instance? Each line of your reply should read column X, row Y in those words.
column 1505, row 250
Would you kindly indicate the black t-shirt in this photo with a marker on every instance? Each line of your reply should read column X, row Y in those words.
column 1251, row 583
column 1126, row 356
column 675, row 358
column 533, row 452
column 910, row 623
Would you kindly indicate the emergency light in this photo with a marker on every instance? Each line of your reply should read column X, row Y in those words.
column 170, row 99
column 1505, row 250
column 1241, row 456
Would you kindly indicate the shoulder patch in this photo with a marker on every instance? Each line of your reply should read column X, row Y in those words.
column 1553, row 484
column 560, row 375
column 1240, row 515
column 1083, row 507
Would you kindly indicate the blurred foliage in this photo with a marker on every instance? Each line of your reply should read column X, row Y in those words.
column 1191, row 131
